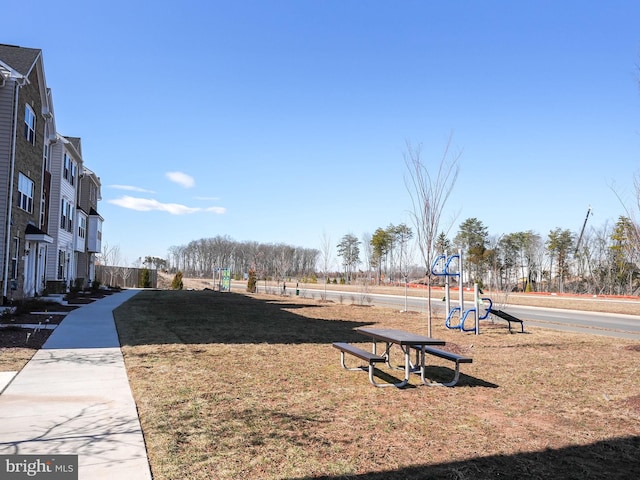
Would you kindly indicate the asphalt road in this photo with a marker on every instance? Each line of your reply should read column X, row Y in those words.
column 608, row 324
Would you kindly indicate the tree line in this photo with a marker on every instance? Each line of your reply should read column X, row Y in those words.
column 602, row 260
column 201, row 258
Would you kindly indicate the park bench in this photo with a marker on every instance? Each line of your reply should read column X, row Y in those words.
column 371, row 358
column 454, row 357
column 508, row 317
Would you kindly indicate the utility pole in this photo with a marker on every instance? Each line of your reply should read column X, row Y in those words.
column 584, row 225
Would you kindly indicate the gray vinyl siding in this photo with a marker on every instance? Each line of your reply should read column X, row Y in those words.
column 7, row 98
column 56, row 152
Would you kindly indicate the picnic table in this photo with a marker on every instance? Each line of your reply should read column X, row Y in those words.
column 406, row 341
column 390, row 337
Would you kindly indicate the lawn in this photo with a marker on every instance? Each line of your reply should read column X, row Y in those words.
column 235, row 386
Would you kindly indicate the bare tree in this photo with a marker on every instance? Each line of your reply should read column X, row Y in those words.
column 406, row 255
column 125, row 272
column 402, row 235
column 429, row 193
column 368, row 255
column 326, row 249
column 282, row 261
column 111, row 260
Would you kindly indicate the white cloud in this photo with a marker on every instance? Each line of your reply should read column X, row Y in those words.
column 148, row 205
column 131, row 188
column 218, row 210
column 180, row 178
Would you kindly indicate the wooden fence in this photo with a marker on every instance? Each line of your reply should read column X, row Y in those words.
column 125, row 277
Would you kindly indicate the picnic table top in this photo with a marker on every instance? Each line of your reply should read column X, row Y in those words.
column 399, row 336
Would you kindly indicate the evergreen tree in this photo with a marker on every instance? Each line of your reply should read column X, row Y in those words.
column 145, row 278
column 177, row 284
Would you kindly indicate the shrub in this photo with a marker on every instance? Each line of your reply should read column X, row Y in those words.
column 27, row 305
column 252, row 281
column 177, row 284
column 77, row 285
column 145, row 278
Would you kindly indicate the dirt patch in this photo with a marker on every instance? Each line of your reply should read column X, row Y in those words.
column 633, row 403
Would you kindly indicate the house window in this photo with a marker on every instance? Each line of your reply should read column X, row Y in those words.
column 45, row 157
column 25, row 193
column 82, row 227
column 61, row 262
column 43, row 209
column 69, row 217
column 69, row 169
column 29, row 125
column 14, row 257
column 63, row 216
column 66, row 216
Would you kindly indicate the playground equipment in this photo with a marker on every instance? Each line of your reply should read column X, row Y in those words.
column 508, row 317
column 444, row 266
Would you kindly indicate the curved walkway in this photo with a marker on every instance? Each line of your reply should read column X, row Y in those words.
column 73, row 397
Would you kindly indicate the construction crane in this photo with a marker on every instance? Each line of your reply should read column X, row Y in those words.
column 584, row 225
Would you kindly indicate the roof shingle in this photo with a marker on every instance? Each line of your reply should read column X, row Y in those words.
column 19, row 58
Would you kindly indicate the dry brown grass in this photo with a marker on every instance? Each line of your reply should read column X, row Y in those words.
column 233, row 386
column 14, row 358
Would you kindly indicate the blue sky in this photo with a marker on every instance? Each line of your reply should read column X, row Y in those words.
column 283, row 121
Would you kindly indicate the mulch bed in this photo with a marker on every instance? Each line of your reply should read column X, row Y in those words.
column 12, row 335
column 34, row 318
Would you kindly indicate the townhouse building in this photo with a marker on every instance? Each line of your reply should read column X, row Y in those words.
column 89, row 237
column 26, row 130
column 74, row 222
column 63, row 166
column 43, row 231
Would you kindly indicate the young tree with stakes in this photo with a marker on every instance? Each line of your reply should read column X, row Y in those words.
column 429, row 192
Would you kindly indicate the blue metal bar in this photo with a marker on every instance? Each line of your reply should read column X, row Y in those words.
column 447, row 323
column 486, row 314
column 446, row 267
column 433, row 267
column 464, row 317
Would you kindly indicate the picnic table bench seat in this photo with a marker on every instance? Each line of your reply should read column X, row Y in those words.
column 370, row 357
column 454, row 357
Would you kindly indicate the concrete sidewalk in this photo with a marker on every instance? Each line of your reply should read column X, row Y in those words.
column 73, row 397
